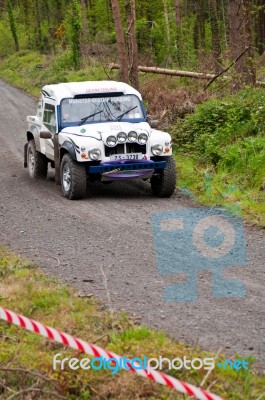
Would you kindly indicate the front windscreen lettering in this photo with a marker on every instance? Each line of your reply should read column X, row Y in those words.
column 101, row 109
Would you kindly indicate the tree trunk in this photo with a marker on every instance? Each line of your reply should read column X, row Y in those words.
column 38, row 26
column 84, row 24
column 178, row 14
column 179, row 29
column 187, row 74
column 76, row 30
column 199, row 26
column 132, row 43
column 240, row 26
column 260, row 27
column 12, row 24
column 167, row 26
column 216, row 46
column 124, row 74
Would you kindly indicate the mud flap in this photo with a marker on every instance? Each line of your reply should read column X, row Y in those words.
column 25, row 155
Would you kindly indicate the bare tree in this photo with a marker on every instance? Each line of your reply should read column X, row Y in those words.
column 240, row 28
column 124, row 74
column 38, row 25
column 132, row 43
column 179, row 26
column 167, row 26
column 216, row 46
column 84, row 24
column 260, row 26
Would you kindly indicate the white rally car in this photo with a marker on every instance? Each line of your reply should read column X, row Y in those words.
column 97, row 131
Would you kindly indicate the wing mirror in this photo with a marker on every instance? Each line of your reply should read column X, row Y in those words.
column 33, row 118
column 45, row 135
column 154, row 123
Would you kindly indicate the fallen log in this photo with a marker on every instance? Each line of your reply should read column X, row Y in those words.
column 187, row 74
column 172, row 72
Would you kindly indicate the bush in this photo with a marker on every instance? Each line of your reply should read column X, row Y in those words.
column 229, row 134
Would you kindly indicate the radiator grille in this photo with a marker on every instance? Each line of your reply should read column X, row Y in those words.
column 125, row 148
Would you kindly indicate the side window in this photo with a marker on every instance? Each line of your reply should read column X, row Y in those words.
column 49, row 119
column 39, row 109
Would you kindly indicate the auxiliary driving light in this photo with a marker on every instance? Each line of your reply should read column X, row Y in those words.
column 122, row 137
column 132, row 136
column 111, row 141
column 142, row 138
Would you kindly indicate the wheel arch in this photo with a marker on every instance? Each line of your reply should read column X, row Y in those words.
column 67, row 147
column 33, row 134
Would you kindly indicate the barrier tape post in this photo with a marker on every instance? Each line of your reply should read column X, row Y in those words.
column 96, row 351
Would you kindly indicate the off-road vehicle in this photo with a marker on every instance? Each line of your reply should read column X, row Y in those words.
column 97, row 131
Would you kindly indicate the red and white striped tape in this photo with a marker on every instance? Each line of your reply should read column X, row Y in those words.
column 93, row 350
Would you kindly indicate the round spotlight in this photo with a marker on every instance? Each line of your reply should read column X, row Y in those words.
column 111, row 141
column 132, row 136
column 157, row 149
column 94, row 154
column 142, row 138
column 122, row 137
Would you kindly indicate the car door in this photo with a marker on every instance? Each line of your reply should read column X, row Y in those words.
column 50, row 124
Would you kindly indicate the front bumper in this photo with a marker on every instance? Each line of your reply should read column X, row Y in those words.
column 126, row 169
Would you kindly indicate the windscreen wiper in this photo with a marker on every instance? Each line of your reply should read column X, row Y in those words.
column 83, row 120
column 126, row 112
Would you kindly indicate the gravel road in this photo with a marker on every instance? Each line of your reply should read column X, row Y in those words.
column 104, row 245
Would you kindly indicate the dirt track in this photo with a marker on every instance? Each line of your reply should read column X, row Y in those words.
column 103, row 245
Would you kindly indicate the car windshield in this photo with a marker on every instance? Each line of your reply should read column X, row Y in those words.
column 101, row 109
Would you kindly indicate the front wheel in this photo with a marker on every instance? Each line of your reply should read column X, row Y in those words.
column 36, row 161
column 163, row 184
column 73, row 178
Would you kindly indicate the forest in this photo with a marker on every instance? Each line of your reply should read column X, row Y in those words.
column 204, row 34
column 214, row 102
column 167, row 33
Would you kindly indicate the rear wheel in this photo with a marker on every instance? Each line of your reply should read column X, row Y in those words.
column 73, row 178
column 36, row 161
column 164, row 183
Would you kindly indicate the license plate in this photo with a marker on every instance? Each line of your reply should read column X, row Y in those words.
column 132, row 156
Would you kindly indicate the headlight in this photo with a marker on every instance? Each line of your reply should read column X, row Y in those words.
column 94, row 154
column 157, row 149
column 111, row 141
column 132, row 136
column 122, row 137
column 142, row 138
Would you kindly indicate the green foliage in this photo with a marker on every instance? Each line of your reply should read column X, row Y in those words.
column 229, row 134
column 76, row 28
column 36, row 26
column 12, row 23
column 6, row 40
column 63, row 60
column 30, row 70
column 226, row 137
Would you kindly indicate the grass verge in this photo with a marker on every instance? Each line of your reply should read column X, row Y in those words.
column 30, row 70
column 210, row 187
column 26, row 367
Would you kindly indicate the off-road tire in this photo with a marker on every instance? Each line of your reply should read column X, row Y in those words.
column 36, row 161
column 73, row 178
column 164, row 184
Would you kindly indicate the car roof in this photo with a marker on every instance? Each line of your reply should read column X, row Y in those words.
column 60, row 91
